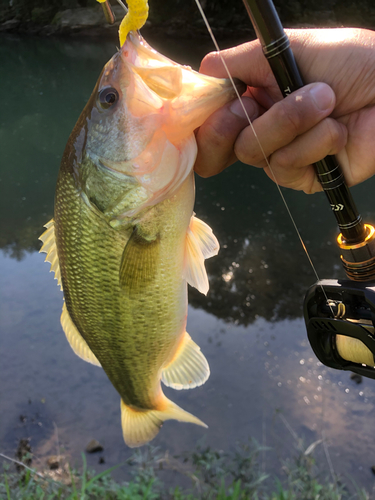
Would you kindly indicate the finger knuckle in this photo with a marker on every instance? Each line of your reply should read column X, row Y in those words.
column 215, row 133
column 202, row 172
column 290, row 119
column 335, row 135
column 246, row 150
column 210, row 62
column 283, row 158
column 247, row 154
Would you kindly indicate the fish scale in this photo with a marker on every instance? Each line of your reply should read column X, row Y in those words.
column 122, row 322
column 124, row 238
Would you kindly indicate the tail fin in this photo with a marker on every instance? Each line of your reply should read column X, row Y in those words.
column 141, row 426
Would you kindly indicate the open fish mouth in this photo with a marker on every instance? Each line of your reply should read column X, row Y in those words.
column 170, row 80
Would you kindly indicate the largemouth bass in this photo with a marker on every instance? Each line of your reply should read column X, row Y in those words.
column 124, row 241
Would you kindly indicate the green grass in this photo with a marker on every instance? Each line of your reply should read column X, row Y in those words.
column 214, row 476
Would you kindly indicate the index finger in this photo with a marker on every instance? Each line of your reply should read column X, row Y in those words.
column 246, row 62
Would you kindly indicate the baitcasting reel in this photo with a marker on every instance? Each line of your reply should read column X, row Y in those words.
column 340, row 319
column 340, row 314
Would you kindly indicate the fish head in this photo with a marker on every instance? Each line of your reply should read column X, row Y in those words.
column 141, row 117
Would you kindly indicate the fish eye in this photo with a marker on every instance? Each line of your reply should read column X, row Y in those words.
column 108, row 97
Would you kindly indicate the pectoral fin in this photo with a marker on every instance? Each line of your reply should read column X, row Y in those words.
column 201, row 244
column 75, row 339
column 188, row 368
column 49, row 247
column 139, row 262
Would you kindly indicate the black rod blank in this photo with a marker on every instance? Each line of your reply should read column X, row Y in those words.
column 276, row 48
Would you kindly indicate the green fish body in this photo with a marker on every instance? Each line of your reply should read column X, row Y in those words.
column 124, row 242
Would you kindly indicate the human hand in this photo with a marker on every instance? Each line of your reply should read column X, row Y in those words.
column 335, row 117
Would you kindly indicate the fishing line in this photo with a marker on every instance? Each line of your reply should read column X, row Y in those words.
column 287, row 209
column 122, row 5
column 258, row 141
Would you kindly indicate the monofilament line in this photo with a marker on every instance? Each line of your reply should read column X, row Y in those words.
column 257, row 139
column 281, row 194
column 122, row 5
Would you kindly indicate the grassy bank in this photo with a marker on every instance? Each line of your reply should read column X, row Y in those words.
column 214, row 476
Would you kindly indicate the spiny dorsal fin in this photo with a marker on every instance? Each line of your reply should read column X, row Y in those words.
column 75, row 339
column 201, row 244
column 188, row 368
column 139, row 426
column 49, row 247
column 139, row 262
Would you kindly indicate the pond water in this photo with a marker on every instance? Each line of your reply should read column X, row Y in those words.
column 265, row 381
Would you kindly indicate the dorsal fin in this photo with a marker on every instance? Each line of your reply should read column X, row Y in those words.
column 75, row 339
column 49, row 247
column 201, row 244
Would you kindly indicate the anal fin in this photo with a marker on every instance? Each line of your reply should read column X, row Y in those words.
column 140, row 426
column 75, row 339
column 188, row 369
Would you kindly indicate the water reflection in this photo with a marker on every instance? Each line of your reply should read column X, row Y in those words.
column 262, row 269
column 249, row 326
column 46, row 84
column 265, row 382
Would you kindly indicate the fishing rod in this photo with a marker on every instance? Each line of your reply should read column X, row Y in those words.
column 339, row 314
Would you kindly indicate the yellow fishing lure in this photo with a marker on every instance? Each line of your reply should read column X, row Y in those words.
column 134, row 19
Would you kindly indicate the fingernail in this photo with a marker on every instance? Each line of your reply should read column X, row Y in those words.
column 323, row 96
column 237, row 108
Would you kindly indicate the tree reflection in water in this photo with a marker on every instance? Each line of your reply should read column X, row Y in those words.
column 261, row 269
column 261, row 272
